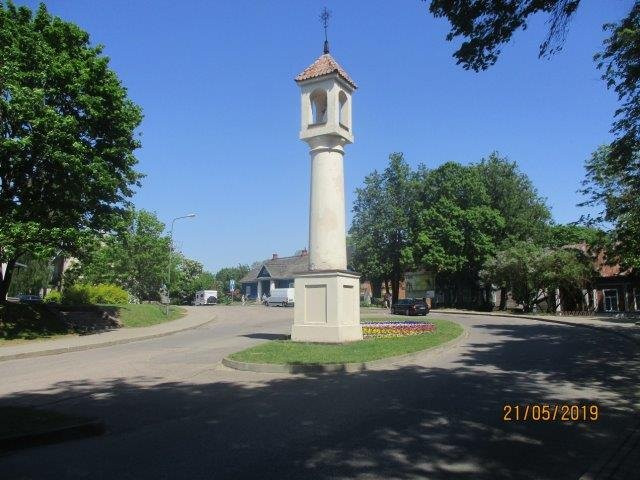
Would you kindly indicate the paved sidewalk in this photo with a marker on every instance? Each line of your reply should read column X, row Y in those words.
column 194, row 318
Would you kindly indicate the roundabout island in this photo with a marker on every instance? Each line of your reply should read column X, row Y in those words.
column 385, row 341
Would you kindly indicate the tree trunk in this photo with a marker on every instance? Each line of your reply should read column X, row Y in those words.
column 395, row 277
column 6, row 280
column 488, row 298
column 458, row 295
column 376, row 288
column 503, row 298
column 395, row 288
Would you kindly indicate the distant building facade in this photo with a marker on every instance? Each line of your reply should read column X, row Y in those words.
column 277, row 272
column 614, row 290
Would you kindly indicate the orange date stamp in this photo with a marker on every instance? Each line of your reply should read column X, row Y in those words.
column 550, row 413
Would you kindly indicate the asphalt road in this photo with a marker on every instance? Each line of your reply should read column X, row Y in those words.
column 173, row 412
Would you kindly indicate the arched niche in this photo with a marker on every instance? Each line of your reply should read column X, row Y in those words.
column 343, row 110
column 318, row 99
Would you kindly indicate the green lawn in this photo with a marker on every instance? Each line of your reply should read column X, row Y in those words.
column 292, row 353
column 20, row 322
column 28, row 322
column 145, row 314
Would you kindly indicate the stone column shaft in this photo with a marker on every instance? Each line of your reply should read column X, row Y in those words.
column 327, row 232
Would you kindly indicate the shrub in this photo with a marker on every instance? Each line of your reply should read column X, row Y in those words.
column 54, row 296
column 224, row 299
column 377, row 302
column 76, row 295
column 108, row 293
column 82, row 294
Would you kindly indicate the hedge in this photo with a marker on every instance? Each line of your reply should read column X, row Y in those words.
column 82, row 294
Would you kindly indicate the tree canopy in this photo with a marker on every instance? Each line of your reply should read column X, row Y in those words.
column 448, row 220
column 380, row 232
column 616, row 191
column 67, row 137
column 187, row 277
column 533, row 273
column 224, row 275
column 486, row 26
column 31, row 277
column 136, row 258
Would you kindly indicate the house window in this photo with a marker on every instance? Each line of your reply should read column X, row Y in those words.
column 610, row 300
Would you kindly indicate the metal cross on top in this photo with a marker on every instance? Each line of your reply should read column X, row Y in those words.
column 325, row 15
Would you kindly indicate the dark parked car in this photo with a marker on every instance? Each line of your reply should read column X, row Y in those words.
column 30, row 299
column 410, row 306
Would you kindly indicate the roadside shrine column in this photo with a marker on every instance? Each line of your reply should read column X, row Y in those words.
column 327, row 296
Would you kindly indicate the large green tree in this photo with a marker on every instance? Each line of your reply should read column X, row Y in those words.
column 136, row 258
column 66, row 137
column 486, row 26
column 367, row 233
column 187, row 277
column 226, row 274
column 447, row 220
column 466, row 213
column 619, row 62
column 533, row 273
column 618, row 193
column 512, row 193
column 559, row 235
column 456, row 228
column 32, row 276
column 381, row 224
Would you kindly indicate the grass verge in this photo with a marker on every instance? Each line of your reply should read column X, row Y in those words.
column 20, row 323
column 296, row 353
column 146, row 314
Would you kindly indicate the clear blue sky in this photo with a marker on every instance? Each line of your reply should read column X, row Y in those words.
column 220, row 134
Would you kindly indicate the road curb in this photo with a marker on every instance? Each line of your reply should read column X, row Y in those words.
column 70, row 432
column 79, row 348
column 342, row 367
column 549, row 320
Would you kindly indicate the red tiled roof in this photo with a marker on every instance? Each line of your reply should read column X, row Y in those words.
column 324, row 65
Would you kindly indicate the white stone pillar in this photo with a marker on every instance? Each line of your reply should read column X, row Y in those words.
column 327, row 297
column 327, row 233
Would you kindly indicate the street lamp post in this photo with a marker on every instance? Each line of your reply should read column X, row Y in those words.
column 191, row 215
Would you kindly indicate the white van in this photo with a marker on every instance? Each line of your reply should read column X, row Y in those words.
column 282, row 297
column 206, row 297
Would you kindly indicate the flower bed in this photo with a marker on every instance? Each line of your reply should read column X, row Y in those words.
column 396, row 329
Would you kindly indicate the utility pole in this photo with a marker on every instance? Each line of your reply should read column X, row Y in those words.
column 191, row 215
